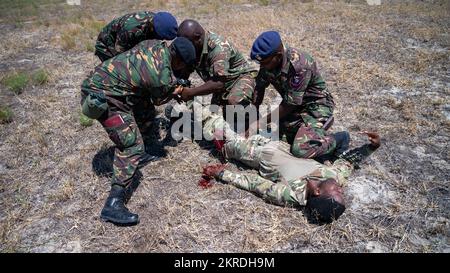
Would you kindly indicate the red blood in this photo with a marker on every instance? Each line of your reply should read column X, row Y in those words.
column 205, row 183
column 219, row 144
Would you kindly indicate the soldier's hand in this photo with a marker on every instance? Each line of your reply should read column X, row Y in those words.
column 177, row 93
column 374, row 138
column 185, row 95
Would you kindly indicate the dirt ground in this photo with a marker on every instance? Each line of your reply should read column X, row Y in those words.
column 386, row 65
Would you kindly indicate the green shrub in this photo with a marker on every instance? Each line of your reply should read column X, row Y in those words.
column 16, row 82
column 40, row 76
column 5, row 114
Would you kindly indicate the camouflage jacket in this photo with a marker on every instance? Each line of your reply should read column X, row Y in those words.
column 221, row 60
column 144, row 71
column 125, row 32
column 298, row 81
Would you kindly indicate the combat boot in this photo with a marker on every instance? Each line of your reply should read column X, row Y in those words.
column 115, row 211
column 358, row 155
column 146, row 158
column 342, row 142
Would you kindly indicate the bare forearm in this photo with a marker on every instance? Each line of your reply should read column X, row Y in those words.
column 207, row 88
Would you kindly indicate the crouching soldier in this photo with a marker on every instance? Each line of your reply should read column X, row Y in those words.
column 306, row 111
column 125, row 32
column 119, row 93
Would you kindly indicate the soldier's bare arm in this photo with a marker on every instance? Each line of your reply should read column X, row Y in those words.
column 207, row 88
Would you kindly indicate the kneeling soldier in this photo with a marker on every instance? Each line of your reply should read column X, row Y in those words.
column 120, row 93
column 306, row 111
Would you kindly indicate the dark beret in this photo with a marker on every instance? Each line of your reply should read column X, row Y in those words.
column 266, row 44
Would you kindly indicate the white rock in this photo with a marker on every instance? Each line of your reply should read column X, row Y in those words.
column 376, row 247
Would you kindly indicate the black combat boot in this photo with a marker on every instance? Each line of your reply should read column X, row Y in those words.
column 115, row 211
column 146, row 158
column 342, row 142
column 358, row 155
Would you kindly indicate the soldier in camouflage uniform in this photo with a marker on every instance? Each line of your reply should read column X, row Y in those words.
column 227, row 74
column 284, row 179
column 307, row 105
column 120, row 94
column 125, row 32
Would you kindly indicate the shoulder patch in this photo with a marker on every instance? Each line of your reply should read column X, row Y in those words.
column 295, row 81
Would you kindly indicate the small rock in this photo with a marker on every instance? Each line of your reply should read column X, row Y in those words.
column 74, row 247
column 441, row 164
column 376, row 247
column 24, row 61
column 419, row 241
column 420, row 152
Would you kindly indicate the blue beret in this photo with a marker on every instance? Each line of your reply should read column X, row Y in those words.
column 265, row 45
column 185, row 49
column 165, row 25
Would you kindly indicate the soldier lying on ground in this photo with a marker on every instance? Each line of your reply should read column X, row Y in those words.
column 284, row 179
column 125, row 32
column 121, row 93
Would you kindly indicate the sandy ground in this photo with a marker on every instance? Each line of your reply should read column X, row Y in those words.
column 387, row 67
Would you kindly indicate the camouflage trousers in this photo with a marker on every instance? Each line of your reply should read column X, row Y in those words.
column 270, row 184
column 304, row 131
column 127, row 126
column 240, row 92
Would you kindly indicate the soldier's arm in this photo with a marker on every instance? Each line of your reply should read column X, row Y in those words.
column 125, row 40
column 209, row 87
column 277, row 193
column 260, row 89
column 219, row 63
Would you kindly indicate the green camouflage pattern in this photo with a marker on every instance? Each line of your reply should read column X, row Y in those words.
column 299, row 83
column 132, row 83
column 306, row 134
column 129, row 148
column 288, row 193
column 143, row 72
column 298, row 80
column 270, row 184
column 241, row 92
column 221, row 60
column 124, row 33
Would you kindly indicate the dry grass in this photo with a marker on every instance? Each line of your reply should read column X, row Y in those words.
column 388, row 71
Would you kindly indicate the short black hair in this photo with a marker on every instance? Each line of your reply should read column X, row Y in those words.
column 324, row 208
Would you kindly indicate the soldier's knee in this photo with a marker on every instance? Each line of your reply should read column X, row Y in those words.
column 301, row 150
column 244, row 101
column 296, row 151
